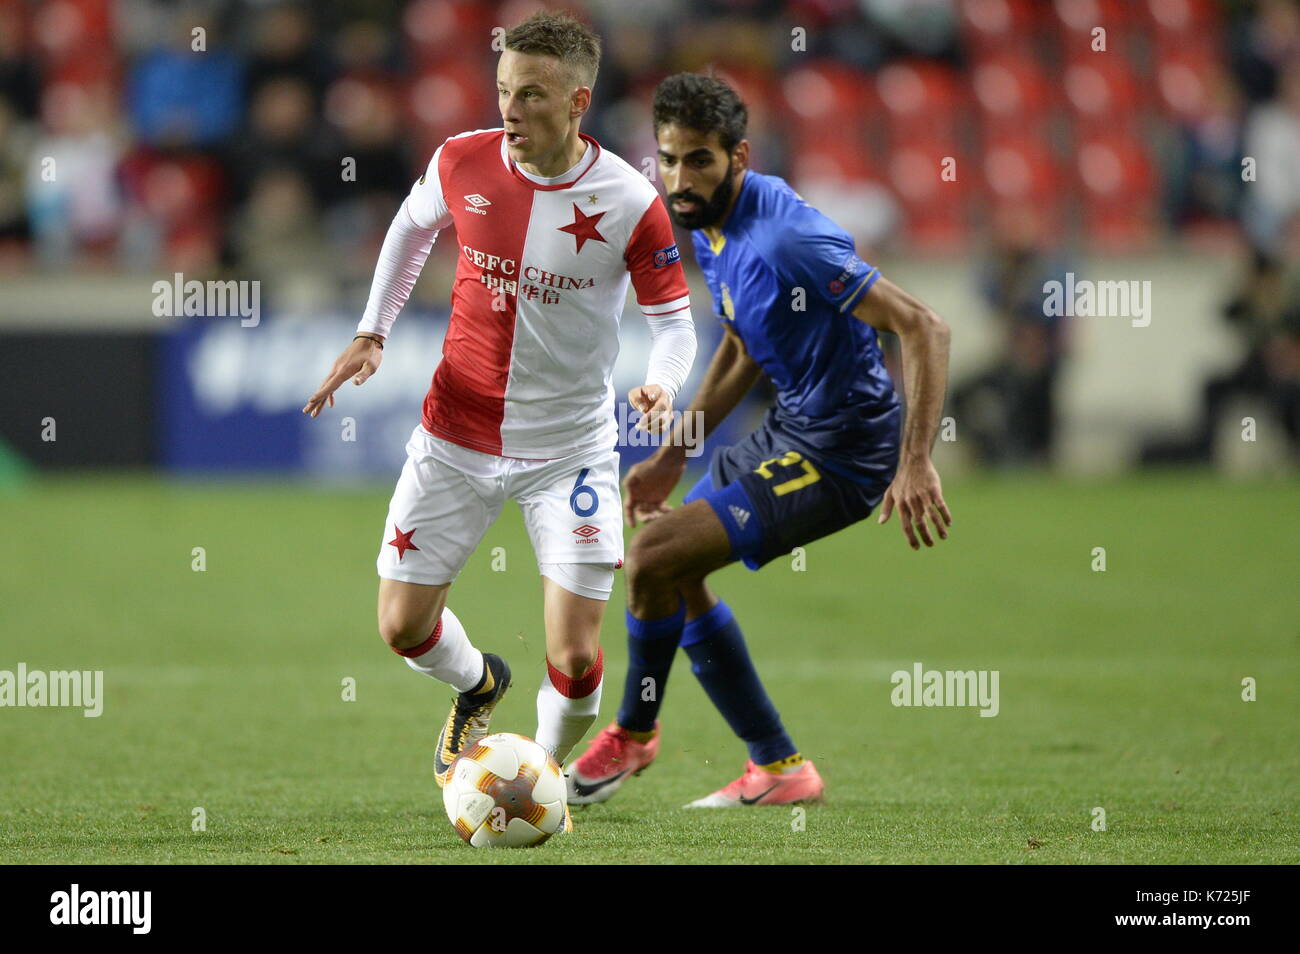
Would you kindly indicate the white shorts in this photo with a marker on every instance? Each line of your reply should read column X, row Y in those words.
column 448, row 496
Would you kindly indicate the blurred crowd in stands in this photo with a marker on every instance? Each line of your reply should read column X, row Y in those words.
column 275, row 140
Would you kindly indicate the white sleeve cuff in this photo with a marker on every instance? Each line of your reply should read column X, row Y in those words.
column 672, row 344
column 406, row 248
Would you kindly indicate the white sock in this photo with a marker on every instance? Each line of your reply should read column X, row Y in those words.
column 447, row 655
column 567, row 706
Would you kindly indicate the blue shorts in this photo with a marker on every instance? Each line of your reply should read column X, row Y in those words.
column 772, row 497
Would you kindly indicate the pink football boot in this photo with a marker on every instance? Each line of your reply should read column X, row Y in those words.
column 608, row 762
column 760, row 787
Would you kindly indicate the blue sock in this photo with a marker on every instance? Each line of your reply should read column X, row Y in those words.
column 651, row 645
column 721, row 662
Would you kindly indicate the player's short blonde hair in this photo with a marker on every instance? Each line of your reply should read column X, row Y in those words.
column 561, row 36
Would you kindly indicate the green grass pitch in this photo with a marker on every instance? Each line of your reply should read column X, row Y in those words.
column 1120, row 690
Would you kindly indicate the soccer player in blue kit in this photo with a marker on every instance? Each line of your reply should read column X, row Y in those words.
column 797, row 304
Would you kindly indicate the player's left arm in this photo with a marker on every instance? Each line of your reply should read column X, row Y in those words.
column 915, row 491
column 659, row 281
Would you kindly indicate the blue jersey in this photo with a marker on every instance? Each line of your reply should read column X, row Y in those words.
column 786, row 279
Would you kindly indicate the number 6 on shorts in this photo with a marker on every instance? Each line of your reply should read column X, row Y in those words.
column 579, row 488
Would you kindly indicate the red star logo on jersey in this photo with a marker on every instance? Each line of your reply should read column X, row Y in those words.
column 403, row 542
column 583, row 227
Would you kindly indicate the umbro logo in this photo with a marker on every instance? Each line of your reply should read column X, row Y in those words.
column 476, row 203
column 741, row 515
column 587, row 530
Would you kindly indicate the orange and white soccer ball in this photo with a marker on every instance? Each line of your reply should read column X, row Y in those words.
column 505, row 792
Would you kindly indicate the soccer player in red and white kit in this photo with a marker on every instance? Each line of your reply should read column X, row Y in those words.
column 551, row 229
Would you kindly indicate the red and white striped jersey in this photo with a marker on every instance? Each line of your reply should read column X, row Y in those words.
column 541, row 281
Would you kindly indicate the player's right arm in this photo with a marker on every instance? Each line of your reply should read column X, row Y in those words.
column 916, row 491
column 401, row 259
column 816, row 254
column 730, row 376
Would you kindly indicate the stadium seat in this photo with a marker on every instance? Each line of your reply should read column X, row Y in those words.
column 923, row 104
column 173, row 189
column 1185, row 81
column 843, row 159
column 827, row 93
column 936, row 209
column 1081, row 16
column 1103, row 94
column 998, row 26
column 450, row 98
column 1182, row 19
column 833, row 111
column 1076, row 21
column 921, row 100
column 91, row 69
column 1118, row 190
column 354, row 94
column 65, row 29
column 74, row 41
column 1012, row 94
column 437, row 29
column 1018, row 170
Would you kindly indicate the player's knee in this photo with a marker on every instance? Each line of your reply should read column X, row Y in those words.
column 394, row 634
column 648, row 563
column 401, row 631
column 696, row 595
column 407, row 613
column 573, row 661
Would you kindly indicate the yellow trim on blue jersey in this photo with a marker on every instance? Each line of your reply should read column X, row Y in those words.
column 855, row 291
column 722, row 240
column 728, row 308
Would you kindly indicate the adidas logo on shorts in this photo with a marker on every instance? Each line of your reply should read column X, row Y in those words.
column 740, row 515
